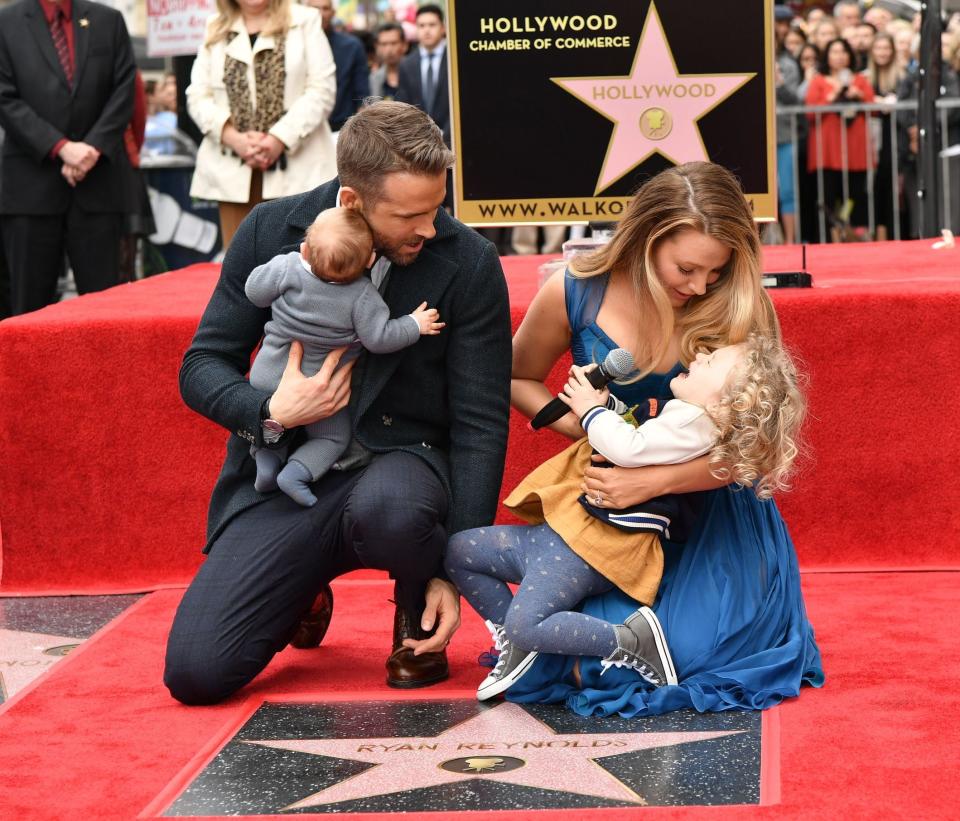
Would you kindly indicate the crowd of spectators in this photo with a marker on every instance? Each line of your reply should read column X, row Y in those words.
column 854, row 166
column 269, row 92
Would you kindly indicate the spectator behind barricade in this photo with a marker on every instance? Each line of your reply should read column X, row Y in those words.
column 66, row 98
column 846, row 13
column 782, row 17
column 261, row 90
column 353, row 72
column 391, row 49
column 849, row 34
column 885, row 75
column 787, row 78
column 162, row 117
column 840, row 140
column 947, row 42
column 863, row 36
column 795, row 40
column 951, row 85
column 824, row 32
column 879, row 16
column 905, row 42
column 809, row 59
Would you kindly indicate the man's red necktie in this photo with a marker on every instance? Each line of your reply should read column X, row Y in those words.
column 59, row 35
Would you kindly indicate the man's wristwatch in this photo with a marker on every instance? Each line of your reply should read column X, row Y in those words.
column 272, row 431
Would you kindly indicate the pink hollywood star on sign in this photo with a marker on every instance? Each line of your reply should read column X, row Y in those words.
column 654, row 108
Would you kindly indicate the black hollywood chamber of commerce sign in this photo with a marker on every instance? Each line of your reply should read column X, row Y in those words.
column 562, row 108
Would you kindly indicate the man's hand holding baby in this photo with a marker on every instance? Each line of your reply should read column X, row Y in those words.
column 579, row 394
column 301, row 400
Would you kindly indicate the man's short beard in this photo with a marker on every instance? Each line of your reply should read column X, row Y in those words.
column 392, row 250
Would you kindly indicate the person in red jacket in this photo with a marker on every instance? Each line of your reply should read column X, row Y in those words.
column 839, row 141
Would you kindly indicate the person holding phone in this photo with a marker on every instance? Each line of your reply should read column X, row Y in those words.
column 840, row 141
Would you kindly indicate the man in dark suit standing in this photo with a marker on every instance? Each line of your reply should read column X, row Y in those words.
column 423, row 72
column 430, row 425
column 66, row 97
column 353, row 72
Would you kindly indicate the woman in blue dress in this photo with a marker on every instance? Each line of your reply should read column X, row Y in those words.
column 682, row 273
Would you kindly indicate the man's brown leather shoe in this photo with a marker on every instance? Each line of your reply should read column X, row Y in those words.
column 313, row 626
column 404, row 669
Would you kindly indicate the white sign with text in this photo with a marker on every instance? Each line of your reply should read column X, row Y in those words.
column 176, row 27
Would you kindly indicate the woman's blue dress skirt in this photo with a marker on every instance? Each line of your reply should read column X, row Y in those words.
column 732, row 610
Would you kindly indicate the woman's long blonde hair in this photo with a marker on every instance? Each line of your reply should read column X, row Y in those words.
column 758, row 419
column 229, row 10
column 704, row 197
column 885, row 79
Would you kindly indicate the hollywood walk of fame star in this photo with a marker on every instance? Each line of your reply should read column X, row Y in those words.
column 654, row 108
column 26, row 656
column 550, row 760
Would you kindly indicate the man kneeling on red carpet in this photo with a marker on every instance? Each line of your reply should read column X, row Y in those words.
column 429, row 426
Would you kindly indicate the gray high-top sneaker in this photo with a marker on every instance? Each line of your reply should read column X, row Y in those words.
column 512, row 663
column 641, row 646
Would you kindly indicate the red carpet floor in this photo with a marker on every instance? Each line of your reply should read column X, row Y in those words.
column 99, row 738
column 93, row 507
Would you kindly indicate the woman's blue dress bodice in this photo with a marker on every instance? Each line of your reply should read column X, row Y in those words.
column 730, row 601
column 590, row 343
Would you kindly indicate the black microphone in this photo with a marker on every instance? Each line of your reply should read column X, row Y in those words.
column 617, row 365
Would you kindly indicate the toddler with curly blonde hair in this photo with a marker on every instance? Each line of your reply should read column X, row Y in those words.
column 741, row 403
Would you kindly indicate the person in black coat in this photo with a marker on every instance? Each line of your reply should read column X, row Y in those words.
column 423, row 72
column 422, row 80
column 66, row 97
column 430, row 425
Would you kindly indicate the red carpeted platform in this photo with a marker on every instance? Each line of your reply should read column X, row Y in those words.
column 105, row 475
column 99, row 738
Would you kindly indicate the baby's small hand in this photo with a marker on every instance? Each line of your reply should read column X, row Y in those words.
column 580, row 395
column 428, row 319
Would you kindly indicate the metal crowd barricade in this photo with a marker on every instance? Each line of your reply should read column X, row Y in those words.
column 945, row 152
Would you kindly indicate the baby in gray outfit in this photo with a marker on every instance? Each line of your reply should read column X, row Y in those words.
column 320, row 297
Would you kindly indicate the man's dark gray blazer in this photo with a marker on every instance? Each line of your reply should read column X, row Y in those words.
column 38, row 108
column 445, row 399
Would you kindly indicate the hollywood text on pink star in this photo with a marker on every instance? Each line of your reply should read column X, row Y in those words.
column 654, row 108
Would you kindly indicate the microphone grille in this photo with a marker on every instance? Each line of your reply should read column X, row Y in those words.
column 619, row 363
